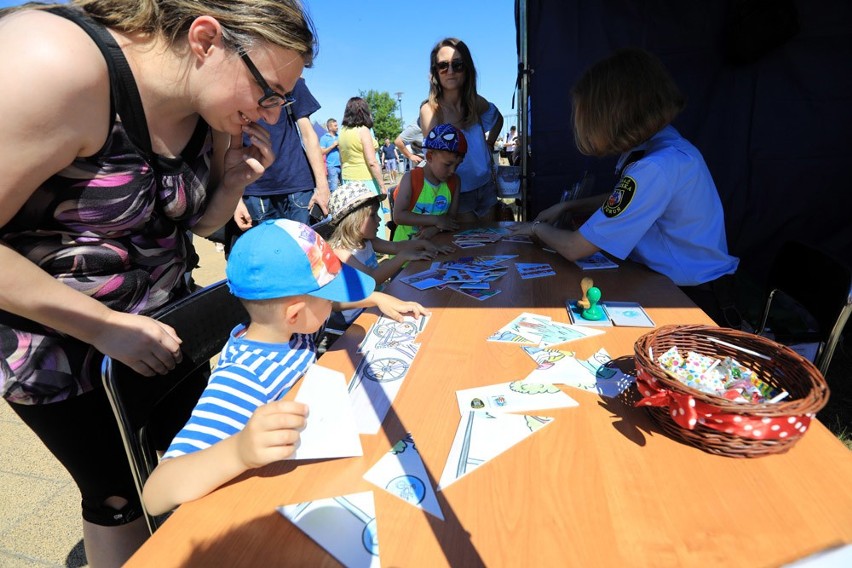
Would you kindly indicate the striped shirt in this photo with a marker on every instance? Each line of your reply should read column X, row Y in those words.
column 249, row 374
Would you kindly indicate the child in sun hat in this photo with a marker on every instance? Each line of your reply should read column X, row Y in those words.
column 426, row 201
column 289, row 279
column 354, row 214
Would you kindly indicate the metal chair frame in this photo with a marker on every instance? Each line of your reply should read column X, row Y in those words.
column 818, row 282
column 203, row 321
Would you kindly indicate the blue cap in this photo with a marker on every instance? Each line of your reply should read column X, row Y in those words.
column 281, row 258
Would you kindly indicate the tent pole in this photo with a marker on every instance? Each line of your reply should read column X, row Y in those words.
column 523, row 111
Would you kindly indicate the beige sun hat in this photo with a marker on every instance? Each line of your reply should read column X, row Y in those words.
column 348, row 197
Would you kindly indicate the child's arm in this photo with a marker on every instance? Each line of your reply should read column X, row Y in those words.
column 389, row 305
column 402, row 215
column 387, row 268
column 270, row 435
column 402, row 251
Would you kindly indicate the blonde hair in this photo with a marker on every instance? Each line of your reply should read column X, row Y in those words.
column 283, row 23
column 347, row 234
column 621, row 101
column 469, row 96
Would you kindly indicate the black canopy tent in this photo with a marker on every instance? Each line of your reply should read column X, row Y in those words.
column 769, row 89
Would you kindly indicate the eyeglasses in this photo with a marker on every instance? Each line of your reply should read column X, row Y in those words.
column 444, row 66
column 270, row 98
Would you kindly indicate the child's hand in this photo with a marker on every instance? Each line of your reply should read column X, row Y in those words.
column 272, row 433
column 394, row 308
column 414, row 254
column 423, row 244
column 447, row 249
column 427, row 233
column 445, row 223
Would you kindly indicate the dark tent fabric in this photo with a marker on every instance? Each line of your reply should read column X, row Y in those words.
column 769, row 89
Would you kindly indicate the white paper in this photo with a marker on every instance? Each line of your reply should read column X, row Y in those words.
column 401, row 472
column 344, row 526
column 597, row 261
column 331, row 430
column 516, row 396
column 627, row 314
column 388, row 333
column 482, row 436
column 376, row 382
column 593, row 374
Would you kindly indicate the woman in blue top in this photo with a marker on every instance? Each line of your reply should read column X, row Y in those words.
column 453, row 99
column 665, row 211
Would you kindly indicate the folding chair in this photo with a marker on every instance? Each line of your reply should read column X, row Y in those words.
column 819, row 283
column 151, row 410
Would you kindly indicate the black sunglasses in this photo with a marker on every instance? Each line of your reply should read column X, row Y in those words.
column 444, row 66
column 270, row 98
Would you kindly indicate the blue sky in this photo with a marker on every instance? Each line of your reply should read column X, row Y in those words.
column 385, row 46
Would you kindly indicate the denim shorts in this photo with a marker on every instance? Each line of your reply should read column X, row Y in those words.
column 479, row 201
column 293, row 206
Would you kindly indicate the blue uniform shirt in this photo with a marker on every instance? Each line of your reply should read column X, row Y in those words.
column 665, row 213
column 332, row 159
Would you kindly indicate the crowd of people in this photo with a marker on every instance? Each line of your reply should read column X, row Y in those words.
column 97, row 216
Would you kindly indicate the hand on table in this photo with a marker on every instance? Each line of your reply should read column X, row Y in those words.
column 394, row 308
column 521, row 229
column 552, row 213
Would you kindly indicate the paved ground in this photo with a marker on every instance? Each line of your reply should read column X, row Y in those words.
column 39, row 504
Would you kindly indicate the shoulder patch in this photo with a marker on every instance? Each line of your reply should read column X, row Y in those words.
column 621, row 197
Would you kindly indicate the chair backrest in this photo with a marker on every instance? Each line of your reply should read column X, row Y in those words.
column 151, row 410
column 818, row 282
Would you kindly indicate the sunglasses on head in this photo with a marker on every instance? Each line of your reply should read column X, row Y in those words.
column 444, row 66
column 270, row 98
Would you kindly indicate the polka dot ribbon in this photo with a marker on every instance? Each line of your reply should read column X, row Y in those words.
column 687, row 412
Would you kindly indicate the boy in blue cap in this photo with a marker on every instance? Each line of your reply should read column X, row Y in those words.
column 288, row 278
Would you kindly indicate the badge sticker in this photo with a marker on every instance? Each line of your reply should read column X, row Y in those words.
column 620, row 198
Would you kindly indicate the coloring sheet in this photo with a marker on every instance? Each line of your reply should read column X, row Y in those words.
column 540, row 330
column 387, row 333
column 516, row 396
column 402, row 473
column 331, row 430
column 344, row 526
column 376, row 382
column 593, row 374
column 523, row 329
column 482, row 436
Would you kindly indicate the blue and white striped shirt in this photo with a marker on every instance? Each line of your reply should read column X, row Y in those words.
column 247, row 375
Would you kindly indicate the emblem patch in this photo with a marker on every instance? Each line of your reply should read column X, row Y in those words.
column 620, row 198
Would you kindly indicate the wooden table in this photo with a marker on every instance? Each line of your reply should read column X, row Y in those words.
column 600, row 486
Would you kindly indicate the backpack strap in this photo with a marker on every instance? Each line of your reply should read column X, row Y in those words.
column 417, row 177
column 124, row 95
column 454, row 183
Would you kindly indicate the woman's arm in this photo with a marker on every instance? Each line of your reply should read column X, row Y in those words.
column 570, row 244
column 56, row 108
column 428, row 118
column 370, row 156
column 233, row 167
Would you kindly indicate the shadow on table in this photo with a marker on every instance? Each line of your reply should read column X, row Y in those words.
column 633, row 423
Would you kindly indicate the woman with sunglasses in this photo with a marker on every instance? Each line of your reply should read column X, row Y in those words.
column 123, row 126
column 453, row 99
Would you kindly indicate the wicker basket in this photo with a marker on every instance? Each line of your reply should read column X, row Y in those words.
column 713, row 423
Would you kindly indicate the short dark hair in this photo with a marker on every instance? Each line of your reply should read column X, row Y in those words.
column 329, row 121
column 621, row 101
column 357, row 113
